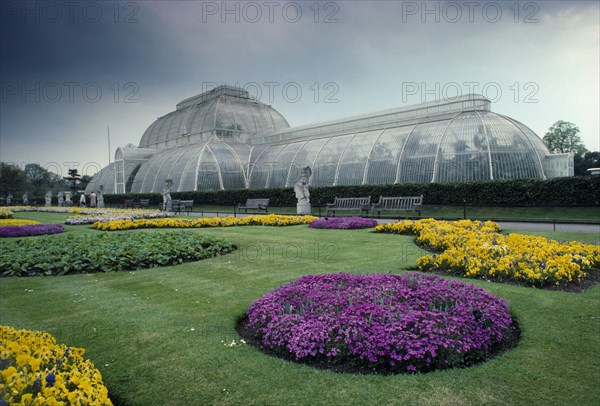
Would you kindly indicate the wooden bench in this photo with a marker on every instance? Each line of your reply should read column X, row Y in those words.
column 255, row 204
column 349, row 203
column 174, row 205
column 412, row 204
column 144, row 203
column 184, row 205
column 128, row 204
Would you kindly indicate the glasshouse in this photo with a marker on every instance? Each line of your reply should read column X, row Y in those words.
column 224, row 139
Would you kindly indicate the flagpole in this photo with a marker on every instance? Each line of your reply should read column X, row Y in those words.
column 108, row 131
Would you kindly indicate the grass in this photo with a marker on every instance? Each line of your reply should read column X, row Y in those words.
column 578, row 214
column 137, row 328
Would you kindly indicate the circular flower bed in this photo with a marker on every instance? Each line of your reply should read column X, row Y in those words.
column 380, row 323
column 343, row 223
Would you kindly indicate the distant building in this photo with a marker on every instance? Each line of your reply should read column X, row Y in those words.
column 223, row 139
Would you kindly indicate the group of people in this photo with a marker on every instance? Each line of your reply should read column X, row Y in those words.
column 96, row 200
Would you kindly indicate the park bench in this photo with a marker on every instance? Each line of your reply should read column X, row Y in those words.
column 349, row 204
column 144, row 203
column 184, row 205
column 128, row 203
column 255, row 204
column 412, row 204
column 175, row 205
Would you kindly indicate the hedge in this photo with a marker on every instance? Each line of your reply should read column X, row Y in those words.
column 557, row 192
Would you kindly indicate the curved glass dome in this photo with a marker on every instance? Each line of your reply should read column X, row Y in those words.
column 224, row 113
column 104, row 178
column 224, row 140
column 213, row 165
column 459, row 143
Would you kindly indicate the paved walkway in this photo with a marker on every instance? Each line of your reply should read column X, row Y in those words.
column 513, row 225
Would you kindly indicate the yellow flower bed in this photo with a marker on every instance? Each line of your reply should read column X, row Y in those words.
column 5, row 214
column 16, row 222
column 476, row 249
column 38, row 371
column 269, row 220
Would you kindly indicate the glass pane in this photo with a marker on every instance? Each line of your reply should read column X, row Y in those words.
column 326, row 163
column 352, row 166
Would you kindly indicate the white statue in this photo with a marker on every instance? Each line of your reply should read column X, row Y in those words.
column 166, row 194
column 61, row 198
column 100, row 196
column 48, row 198
column 301, row 190
column 301, row 187
column 25, row 199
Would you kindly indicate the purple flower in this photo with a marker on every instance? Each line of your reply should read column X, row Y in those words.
column 343, row 223
column 30, row 230
column 50, row 379
column 409, row 322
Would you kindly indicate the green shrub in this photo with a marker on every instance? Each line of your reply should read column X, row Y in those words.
column 581, row 191
column 83, row 253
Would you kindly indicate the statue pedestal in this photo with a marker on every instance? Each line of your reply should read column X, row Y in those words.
column 303, row 208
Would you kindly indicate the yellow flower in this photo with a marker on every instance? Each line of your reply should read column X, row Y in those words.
column 16, row 222
column 476, row 249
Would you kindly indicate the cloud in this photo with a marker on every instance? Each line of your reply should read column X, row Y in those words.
column 158, row 53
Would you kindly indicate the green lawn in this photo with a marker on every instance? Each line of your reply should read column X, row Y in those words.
column 157, row 335
column 577, row 214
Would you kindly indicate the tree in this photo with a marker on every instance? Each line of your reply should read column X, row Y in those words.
column 584, row 162
column 83, row 182
column 12, row 180
column 39, row 178
column 73, row 179
column 564, row 137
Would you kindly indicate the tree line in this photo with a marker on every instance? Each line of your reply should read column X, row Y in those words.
column 563, row 137
column 35, row 180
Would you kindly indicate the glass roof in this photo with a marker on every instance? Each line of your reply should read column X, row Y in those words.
column 223, row 140
column 224, row 113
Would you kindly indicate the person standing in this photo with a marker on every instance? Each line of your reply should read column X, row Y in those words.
column 92, row 199
column 82, row 200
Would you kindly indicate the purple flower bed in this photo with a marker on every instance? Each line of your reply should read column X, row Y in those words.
column 343, row 223
column 382, row 323
column 31, row 230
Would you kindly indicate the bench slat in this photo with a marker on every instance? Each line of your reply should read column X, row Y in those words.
column 349, row 203
column 255, row 204
column 398, row 203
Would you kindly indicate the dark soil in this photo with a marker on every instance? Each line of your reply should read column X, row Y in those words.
column 358, row 367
